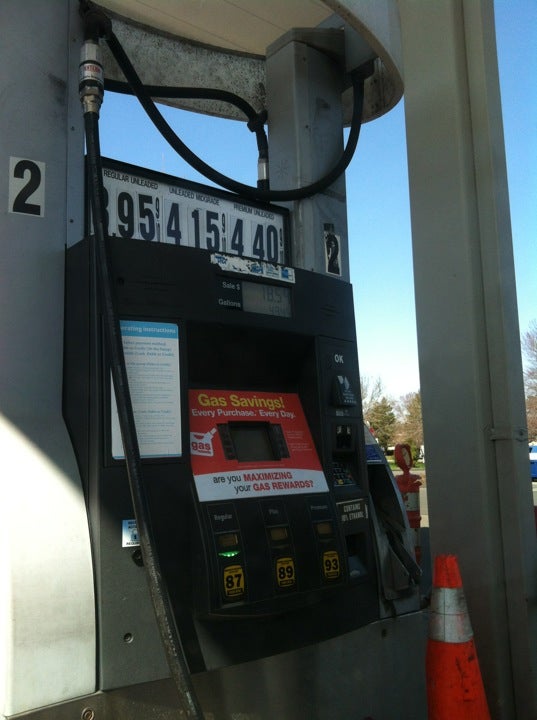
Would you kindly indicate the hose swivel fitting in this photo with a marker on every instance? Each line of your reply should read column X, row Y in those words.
column 263, row 173
column 91, row 77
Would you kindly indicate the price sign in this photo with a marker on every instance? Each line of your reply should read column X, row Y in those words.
column 150, row 206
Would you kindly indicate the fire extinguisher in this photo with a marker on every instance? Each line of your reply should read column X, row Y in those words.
column 409, row 487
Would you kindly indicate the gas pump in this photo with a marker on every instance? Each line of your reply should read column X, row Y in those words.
column 240, row 539
column 243, row 374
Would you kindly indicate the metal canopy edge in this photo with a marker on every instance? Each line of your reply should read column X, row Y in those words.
column 173, row 54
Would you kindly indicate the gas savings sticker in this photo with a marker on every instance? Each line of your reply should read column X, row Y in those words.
column 228, row 464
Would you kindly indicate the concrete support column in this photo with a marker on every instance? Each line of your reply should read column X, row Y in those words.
column 479, row 491
column 47, row 614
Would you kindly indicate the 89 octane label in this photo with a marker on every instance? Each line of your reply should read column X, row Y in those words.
column 164, row 209
column 285, row 572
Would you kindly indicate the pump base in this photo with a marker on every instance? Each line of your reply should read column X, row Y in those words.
column 373, row 671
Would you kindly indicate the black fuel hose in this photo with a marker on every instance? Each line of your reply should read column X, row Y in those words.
column 159, row 595
column 91, row 88
column 256, row 121
column 247, row 191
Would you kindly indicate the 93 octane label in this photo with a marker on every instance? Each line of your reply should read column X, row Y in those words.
column 331, row 568
column 285, row 572
column 159, row 208
column 234, row 581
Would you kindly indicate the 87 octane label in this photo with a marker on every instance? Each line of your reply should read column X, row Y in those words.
column 234, row 582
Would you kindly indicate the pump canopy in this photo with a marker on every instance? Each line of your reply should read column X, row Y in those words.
column 224, row 45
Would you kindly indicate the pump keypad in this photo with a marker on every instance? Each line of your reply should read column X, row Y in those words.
column 342, row 474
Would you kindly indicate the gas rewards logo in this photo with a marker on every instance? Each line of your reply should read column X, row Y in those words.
column 202, row 443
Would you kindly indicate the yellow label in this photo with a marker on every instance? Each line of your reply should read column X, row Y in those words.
column 285, row 571
column 331, row 568
column 233, row 581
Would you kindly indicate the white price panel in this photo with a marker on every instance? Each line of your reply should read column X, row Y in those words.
column 150, row 206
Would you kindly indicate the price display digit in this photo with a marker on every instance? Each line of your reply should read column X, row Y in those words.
column 272, row 244
column 147, row 213
column 213, row 231
column 236, row 243
column 125, row 215
column 331, row 566
column 285, row 572
column 173, row 216
column 234, row 581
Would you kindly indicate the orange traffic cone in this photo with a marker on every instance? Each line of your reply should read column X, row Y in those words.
column 454, row 685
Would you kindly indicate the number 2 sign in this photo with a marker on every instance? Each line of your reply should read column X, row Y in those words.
column 26, row 187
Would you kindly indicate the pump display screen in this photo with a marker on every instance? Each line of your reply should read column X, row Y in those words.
column 254, row 297
column 251, row 442
column 146, row 205
column 266, row 299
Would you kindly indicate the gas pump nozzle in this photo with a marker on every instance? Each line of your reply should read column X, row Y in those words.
column 394, row 532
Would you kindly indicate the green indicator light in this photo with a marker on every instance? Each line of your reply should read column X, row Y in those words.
column 229, row 554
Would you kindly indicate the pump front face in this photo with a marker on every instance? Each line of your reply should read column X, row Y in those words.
column 236, row 328
column 244, row 377
column 238, row 346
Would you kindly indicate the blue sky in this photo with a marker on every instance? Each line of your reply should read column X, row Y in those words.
column 377, row 194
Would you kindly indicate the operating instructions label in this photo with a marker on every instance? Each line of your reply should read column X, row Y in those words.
column 152, row 361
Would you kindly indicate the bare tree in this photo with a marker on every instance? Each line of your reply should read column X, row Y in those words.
column 372, row 391
column 410, row 425
column 382, row 421
column 531, row 415
column 529, row 351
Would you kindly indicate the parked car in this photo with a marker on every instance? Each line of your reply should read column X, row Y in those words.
column 533, row 462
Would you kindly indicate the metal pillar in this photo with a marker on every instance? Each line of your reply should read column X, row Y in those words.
column 304, row 87
column 479, row 491
column 47, row 634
